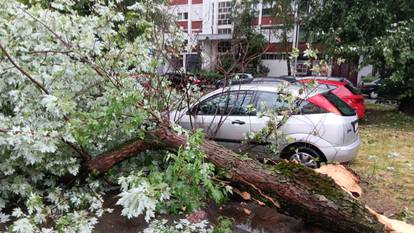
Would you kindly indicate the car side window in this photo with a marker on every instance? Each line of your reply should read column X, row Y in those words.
column 227, row 103
column 270, row 101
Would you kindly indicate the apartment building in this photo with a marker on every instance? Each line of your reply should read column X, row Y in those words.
column 207, row 25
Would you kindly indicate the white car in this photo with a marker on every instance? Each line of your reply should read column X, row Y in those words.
column 324, row 130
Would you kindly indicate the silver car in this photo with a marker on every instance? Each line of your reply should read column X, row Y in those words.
column 324, row 129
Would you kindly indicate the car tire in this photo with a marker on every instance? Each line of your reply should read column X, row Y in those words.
column 373, row 95
column 305, row 156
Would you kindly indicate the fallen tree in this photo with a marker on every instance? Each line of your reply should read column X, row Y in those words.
column 289, row 187
column 64, row 103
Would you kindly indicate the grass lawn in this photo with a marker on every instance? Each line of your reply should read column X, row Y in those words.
column 386, row 161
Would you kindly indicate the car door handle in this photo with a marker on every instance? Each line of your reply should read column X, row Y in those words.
column 238, row 122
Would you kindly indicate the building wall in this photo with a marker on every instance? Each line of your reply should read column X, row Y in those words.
column 277, row 67
column 364, row 71
column 203, row 20
column 209, row 54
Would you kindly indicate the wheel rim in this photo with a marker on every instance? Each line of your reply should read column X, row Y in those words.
column 305, row 158
column 374, row 95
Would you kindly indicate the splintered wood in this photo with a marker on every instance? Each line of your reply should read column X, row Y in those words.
column 349, row 181
column 344, row 177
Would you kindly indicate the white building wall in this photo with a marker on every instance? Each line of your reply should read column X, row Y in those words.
column 178, row 8
column 209, row 54
column 208, row 16
column 196, row 12
column 364, row 71
column 207, row 12
column 276, row 67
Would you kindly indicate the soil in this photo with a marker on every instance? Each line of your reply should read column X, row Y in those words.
column 248, row 218
column 381, row 202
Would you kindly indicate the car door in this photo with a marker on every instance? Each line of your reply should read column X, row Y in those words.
column 225, row 116
column 264, row 103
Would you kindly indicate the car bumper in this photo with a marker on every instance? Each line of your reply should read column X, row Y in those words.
column 343, row 153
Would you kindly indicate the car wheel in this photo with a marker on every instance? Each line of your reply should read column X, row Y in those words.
column 373, row 95
column 305, row 156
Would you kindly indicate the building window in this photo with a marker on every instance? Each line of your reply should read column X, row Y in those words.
column 182, row 15
column 224, row 13
column 224, row 46
column 224, row 31
column 268, row 9
column 302, row 35
column 273, row 56
column 301, row 68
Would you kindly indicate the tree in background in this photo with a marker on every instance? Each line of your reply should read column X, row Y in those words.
column 287, row 14
column 251, row 43
column 283, row 12
column 380, row 32
column 246, row 45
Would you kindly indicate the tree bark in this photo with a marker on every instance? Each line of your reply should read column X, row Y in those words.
column 104, row 162
column 291, row 188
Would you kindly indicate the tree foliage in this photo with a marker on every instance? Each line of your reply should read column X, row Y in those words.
column 247, row 43
column 378, row 31
column 67, row 97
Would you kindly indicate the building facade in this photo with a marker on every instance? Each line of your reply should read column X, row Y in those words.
column 207, row 25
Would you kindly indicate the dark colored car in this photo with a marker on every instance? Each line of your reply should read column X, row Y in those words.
column 239, row 78
column 371, row 89
column 144, row 79
column 181, row 80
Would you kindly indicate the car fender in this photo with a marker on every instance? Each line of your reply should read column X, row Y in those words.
column 316, row 141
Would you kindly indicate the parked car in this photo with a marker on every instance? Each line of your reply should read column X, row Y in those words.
column 271, row 79
column 325, row 128
column 344, row 89
column 144, row 79
column 235, row 79
column 181, row 80
column 371, row 89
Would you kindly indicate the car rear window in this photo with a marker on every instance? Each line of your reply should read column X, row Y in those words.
column 353, row 89
column 310, row 108
column 339, row 104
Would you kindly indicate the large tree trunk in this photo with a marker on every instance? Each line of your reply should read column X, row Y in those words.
column 292, row 188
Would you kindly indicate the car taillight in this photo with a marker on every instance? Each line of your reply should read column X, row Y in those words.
column 322, row 102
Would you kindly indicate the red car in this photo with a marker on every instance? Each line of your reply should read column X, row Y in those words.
column 344, row 90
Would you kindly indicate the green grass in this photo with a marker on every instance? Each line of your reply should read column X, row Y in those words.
column 386, row 161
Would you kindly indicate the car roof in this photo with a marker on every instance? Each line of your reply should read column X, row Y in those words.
column 274, row 79
column 296, row 89
column 323, row 81
column 326, row 80
column 283, row 77
column 332, row 78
